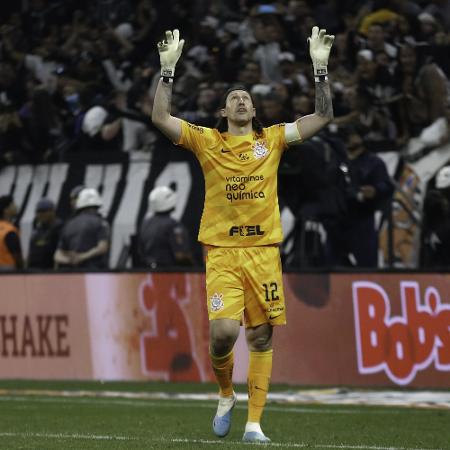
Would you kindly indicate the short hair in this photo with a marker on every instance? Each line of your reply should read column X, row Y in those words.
column 222, row 124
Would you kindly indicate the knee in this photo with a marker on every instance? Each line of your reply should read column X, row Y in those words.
column 260, row 343
column 259, row 339
column 221, row 344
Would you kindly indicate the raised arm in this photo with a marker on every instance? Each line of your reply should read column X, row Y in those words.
column 319, row 50
column 169, row 52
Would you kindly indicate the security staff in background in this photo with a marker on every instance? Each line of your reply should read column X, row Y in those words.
column 45, row 236
column 73, row 197
column 85, row 237
column 162, row 240
column 10, row 248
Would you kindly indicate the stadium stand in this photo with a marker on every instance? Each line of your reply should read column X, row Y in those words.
column 77, row 80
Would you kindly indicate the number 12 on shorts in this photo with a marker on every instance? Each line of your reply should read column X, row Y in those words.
column 270, row 290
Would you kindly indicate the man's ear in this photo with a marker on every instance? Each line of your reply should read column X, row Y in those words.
column 223, row 113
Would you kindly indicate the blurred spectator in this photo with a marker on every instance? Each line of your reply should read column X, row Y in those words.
column 297, row 23
column 436, row 231
column 45, row 236
column 274, row 110
column 10, row 248
column 102, row 130
column 315, row 188
column 378, row 83
column 111, row 11
column 42, row 126
column 250, row 74
column 435, row 135
column 73, row 197
column 230, row 48
column 441, row 10
column 424, row 89
column 376, row 42
column 342, row 63
column 302, row 105
column 375, row 124
column 268, row 31
column 292, row 78
column 443, row 181
column 205, row 112
column 354, row 241
column 387, row 12
column 14, row 147
column 429, row 26
column 139, row 134
column 84, row 241
column 162, row 240
column 12, row 83
column 440, row 50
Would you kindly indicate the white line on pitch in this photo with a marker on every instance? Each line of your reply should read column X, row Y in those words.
column 189, row 404
column 98, row 437
column 199, row 441
column 294, row 445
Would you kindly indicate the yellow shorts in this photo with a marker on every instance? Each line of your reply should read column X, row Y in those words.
column 245, row 280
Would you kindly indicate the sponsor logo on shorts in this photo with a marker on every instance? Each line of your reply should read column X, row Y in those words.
column 274, row 316
column 246, row 230
column 216, row 302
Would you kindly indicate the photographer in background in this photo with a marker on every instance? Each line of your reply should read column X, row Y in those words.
column 354, row 240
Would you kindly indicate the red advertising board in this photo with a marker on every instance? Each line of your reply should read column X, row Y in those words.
column 343, row 329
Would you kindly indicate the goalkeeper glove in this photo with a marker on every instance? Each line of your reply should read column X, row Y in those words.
column 169, row 52
column 319, row 50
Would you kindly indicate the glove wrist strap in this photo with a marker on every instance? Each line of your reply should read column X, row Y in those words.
column 320, row 69
column 168, row 72
column 320, row 72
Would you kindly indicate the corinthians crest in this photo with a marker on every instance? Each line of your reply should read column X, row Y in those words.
column 216, row 302
column 259, row 150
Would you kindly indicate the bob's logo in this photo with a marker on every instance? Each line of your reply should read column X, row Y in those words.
column 400, row 346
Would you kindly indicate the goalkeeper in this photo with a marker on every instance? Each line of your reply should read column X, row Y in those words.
column 240, row 225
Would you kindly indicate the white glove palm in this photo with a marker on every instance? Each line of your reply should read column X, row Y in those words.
column 169, row 52
column 319, row 50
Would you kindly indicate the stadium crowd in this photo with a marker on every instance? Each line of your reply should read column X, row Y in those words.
column 78, row 76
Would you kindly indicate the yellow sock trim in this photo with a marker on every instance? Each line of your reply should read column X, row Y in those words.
column 259, row 372
column 223, row 369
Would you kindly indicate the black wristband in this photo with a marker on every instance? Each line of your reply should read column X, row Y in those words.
column 167, row 79
column 320, row 78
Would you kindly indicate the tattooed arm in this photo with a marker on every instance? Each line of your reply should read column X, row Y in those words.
column 169, row 125
column 310, row 125
column 319, row 49
column 169, row 52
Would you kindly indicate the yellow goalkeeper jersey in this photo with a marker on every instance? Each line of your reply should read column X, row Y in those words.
column 241, row 202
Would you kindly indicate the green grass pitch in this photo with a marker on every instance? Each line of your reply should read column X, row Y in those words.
column 37, row 420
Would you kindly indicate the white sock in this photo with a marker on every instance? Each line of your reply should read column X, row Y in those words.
column 253, row 426
column 225, row 404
